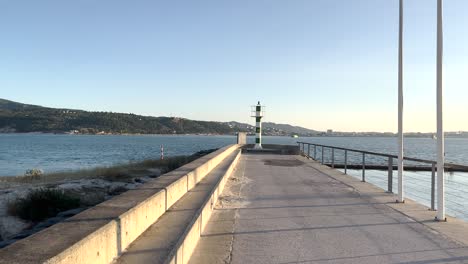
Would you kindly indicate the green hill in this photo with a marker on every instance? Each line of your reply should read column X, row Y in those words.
column 22, row 118
column 17, row 117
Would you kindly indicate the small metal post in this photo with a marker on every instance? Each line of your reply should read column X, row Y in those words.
column 345, row 161
column 308, row 150
column 322, row 156
column 390, row 175
column 333, row 157
column 363, row 167
column 315, row 152
column 433, row 186
column 299, row 145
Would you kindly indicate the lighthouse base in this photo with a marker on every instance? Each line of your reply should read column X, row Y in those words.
column 258, row 146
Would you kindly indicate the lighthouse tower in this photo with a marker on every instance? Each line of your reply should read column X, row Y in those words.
column 257, row 113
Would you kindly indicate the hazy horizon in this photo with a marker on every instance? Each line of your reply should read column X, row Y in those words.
column 250, row 123
column 325, row 64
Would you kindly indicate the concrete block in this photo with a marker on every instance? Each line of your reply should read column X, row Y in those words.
column 135, row 221
column 241, row 138
column 183, row 250
column 100, row 247
column 176, row 190
column 101, row 233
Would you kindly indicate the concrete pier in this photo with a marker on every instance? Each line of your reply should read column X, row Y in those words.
column 268, row 206
column 287, row 209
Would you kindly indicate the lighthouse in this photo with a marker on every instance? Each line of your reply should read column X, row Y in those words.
column 257, row 113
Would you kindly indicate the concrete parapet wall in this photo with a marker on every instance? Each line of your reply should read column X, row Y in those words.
column 102, row 233
column 135, row 221
column 184, row 248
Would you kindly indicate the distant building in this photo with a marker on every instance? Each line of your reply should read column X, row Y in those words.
column 329, row 131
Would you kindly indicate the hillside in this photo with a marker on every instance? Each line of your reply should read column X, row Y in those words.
column 16, row 117
column 288, row 129
column 22, row 118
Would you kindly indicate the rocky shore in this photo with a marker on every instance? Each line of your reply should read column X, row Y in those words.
column 91, row 187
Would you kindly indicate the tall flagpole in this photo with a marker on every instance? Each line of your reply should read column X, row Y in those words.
column 440, row 127
column 401, row 197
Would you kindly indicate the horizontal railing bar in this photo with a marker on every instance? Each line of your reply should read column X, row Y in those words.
column 356, row 166
column 353, row 150
column 451, row 166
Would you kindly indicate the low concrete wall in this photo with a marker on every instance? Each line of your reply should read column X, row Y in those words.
column 100, row 234
column 186, row 245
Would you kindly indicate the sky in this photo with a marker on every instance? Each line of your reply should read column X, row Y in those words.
column 321, row 64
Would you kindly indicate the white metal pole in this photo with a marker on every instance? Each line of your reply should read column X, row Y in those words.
column 401, row 197
column 440, row 127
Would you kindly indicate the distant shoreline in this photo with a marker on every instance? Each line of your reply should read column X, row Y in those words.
column 338, row 134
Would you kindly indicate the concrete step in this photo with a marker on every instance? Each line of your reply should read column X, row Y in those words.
column 160, row 242
column 100, row 234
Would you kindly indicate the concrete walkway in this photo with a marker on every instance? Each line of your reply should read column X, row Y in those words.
column 281, row 209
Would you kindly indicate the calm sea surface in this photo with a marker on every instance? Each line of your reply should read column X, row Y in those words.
column 52, row 153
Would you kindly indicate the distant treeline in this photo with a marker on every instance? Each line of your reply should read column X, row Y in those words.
column 16, row 117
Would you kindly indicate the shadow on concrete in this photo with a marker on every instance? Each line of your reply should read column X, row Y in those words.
column 306, row 216
column 443, row 260
column 299, row 206
column 306, row 229
column 146, row 251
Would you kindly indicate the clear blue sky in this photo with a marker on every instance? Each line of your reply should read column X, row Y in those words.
column 316, row 63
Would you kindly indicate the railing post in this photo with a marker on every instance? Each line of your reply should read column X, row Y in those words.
column 364, row 167
column 315, row 152
column 308, row 150
column 345, row 161
column 390, row 175
column 322, row 156
column 333, row 157
column 433, row 176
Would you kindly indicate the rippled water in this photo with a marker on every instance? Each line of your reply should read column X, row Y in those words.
column 417, row 183
column 20, row 152
column 418, row 187
column 51, row 153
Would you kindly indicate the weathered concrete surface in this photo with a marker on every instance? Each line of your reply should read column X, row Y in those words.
column 157, row 242
column 186, row 244
column 100, row 234
column 286, row 210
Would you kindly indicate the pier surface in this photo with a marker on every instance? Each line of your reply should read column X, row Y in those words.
column 249, row 207
column 286, row 209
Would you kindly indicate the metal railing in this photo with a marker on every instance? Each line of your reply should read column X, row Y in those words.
column 389, row 167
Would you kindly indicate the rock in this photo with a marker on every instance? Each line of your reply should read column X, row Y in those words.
column 10, row 226
column 116, row 190
column 49, row 222
column 7, row 242
column 71, row 212
column 154, row 172
column 138, row 180
column 24, row 234
column 130, row 186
